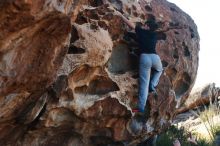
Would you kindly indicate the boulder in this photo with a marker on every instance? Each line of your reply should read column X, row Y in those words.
column 68, row 75
column 200, row 96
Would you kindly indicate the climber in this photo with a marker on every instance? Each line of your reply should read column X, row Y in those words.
column 146, row 38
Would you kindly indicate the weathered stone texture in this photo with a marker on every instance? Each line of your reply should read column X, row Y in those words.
column 68, row 77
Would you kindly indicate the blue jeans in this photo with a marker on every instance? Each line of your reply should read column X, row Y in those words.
column 148, row 61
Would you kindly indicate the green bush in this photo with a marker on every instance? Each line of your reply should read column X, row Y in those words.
column 167, row 138
column 207, row 115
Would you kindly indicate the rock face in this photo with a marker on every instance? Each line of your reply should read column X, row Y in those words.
column 68, row 77
column 201, row 96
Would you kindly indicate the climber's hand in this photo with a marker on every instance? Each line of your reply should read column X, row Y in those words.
column 118, row 13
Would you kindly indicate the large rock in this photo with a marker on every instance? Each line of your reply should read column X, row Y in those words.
column 200, row 97
column 63, row 86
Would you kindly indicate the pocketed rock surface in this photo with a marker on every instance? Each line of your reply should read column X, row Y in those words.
column 68, row 77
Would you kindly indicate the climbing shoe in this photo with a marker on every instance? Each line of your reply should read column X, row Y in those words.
column 135, row 110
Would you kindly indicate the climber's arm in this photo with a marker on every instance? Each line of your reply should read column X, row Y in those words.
column 167, row 27
column 129, row 23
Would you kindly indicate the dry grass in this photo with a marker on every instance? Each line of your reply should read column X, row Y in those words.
column 210, row 118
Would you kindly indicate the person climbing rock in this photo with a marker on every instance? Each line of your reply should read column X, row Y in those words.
column 149, row 59
column 147, row 39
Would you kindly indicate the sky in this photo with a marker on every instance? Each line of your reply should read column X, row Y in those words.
column 206, row 15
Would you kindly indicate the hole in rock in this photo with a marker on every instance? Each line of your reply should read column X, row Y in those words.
column 135, row 76
column 103, row 132
column 99, row 85
column 128, row 10
column 92, row 15
column 59, row 86
column 135, row 86
column 81, row 19
column 122, row 60
column 93, row 26
column 59, row 2
column 133, row 7
column 164, row 63
column 108, row 17
column 115, row 37
column 192, row 32
column 75, row 50
column 74, row 35
column 155, row 115
column 101, row 12
column 176, row 32
column 173, row 9
column 148, row 8
column 142, row 16
column 67, row 95
column 186, row 50
column 135, row 14
column 161, row 36
column 171, row 73
column 26, row 114
column 167, row 116
column 175, row 54
column 21, row 118
column 174, row 24
column 95, row 3
column 182, row 85
column 103, row 25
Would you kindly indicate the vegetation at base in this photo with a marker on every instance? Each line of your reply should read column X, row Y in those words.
column 167, row 138
column 209, row 116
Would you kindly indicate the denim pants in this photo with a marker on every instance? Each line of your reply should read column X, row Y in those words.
column 148, row 61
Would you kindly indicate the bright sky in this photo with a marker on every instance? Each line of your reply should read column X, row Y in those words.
column 206, row 15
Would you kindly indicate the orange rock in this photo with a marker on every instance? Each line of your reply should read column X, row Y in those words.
column 68, row 77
